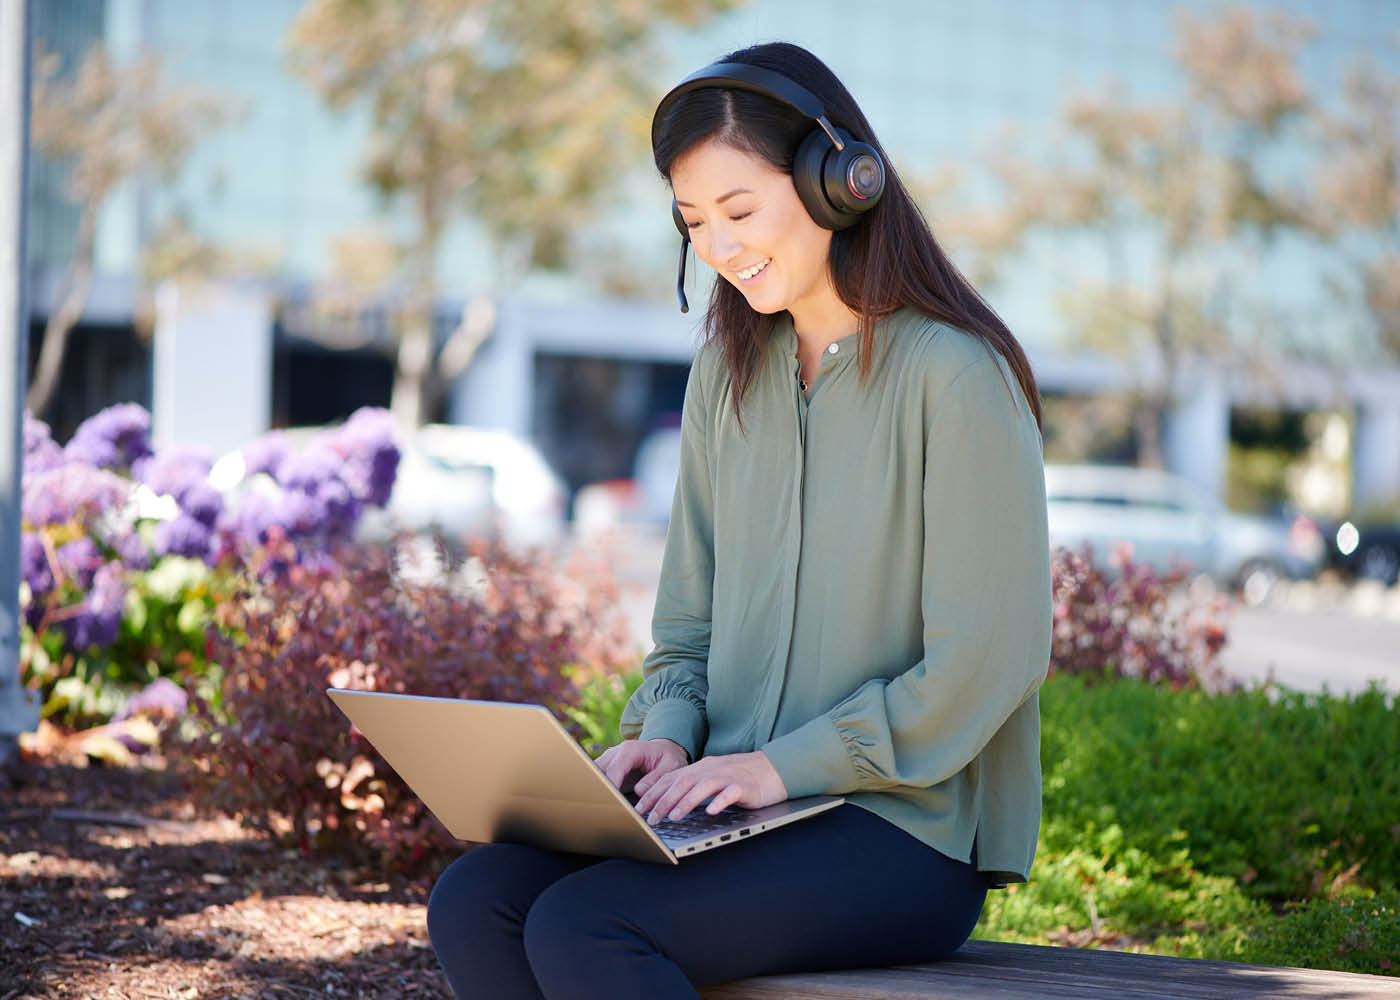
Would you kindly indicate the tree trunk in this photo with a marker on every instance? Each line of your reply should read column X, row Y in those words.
column 73, row 296
column 409, row 403
column 1147, row 423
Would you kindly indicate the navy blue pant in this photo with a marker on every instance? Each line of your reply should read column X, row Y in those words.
column 845, row 889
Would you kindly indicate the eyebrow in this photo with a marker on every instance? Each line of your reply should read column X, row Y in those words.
column 721, row 199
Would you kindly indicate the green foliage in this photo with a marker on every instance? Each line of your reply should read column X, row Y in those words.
column 599, row 709
column 1350, row 935
column 164, row 632
column 1179, row 822
column 1105, row 891
column 1291, row 795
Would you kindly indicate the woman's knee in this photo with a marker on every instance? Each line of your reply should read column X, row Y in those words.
column 474, row 890
column 570, row 927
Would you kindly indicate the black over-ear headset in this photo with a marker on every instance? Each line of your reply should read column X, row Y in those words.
column 837, row 178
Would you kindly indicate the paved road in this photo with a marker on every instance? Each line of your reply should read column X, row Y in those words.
column 1309, row 650
column 1308, row 635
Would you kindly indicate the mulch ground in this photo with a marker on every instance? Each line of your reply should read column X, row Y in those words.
column 113, row 887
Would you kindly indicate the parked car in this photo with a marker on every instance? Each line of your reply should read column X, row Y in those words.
column 473, row 480
column 1167, row 518
column 1366, row 549
column 642, row 499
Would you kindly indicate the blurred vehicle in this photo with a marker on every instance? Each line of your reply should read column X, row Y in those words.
column 657, row 466
column 1166, row 518
column 464, row 481
column 472, row 481
column 644, row 498
column 1366, row 549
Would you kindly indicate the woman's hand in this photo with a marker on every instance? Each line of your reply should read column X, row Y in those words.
column 748, row 779
column 651, row 757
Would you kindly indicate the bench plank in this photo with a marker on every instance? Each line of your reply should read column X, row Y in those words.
column 1002, row 971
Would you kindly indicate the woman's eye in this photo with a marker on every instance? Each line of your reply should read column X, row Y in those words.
column 736, row 218
column 692, row 225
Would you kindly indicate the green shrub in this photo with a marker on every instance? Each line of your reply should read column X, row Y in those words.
column 599, row 709
column 1291, row 795
column 1105, row 892
column 1349, row 935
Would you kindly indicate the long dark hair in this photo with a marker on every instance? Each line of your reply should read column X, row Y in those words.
column 887, row 261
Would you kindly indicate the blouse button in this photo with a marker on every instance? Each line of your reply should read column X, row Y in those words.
column 832, row 349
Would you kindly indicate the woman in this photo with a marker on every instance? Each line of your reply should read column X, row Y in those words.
column 854, row 597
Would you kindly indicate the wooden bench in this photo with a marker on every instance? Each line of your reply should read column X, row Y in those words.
column 1029, row 972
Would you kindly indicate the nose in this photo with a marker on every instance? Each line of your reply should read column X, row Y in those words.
column 724, row 248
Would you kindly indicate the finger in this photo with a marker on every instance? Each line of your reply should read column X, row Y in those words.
column 698, row 793
column 674, row 791
column 726, row 798
column 622, row 764
column 654, row 775
column 660, row 783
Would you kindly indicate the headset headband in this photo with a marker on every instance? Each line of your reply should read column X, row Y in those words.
column 741, row 76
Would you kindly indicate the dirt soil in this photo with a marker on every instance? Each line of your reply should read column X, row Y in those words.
column 112, row 887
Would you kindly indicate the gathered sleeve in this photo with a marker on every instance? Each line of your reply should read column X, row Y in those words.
column 670, row 703
column 986, row 603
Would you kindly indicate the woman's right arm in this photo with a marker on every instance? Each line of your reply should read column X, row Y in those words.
column 670, row 703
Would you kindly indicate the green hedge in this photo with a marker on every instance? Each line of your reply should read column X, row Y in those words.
column 1293, row 796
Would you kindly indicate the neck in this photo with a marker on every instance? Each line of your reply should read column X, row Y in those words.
column 822, row 320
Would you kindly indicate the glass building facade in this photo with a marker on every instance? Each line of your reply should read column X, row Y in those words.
column 938, row 79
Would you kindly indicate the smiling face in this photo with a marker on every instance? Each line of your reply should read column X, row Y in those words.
column 747, row 222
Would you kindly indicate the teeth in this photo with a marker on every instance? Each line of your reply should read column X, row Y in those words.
column 750, row 272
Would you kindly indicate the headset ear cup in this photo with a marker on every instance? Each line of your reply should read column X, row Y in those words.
column 679, row 219
column 808, row 169
column 839, row 185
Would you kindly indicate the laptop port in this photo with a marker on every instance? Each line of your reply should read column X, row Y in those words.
column 724, row 836
column 743, row 833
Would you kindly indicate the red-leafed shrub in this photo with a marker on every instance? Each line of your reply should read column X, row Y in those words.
column 1130, row 621
column 272, row 748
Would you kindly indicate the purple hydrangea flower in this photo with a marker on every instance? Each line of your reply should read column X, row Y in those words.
column 36, row 432
column 34, row 566
column 79, row 560
column 100, row 619
column 298, row 514
column 112, row 438
column 174, row 470
column 372, row 457
column 161, row 697
column 134, row 552
column 182, row 535
column 256, row 513
column 48, row 455
column 72, row 491
column 328, row 505
column 203, row 503
column 41, row 451
column 265, row 454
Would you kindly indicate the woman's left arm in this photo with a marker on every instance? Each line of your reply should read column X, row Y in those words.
column 986, row 607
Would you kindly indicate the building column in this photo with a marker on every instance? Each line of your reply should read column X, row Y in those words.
column 1375, row 457
column 497, row 389
column 1196, row 437
column 212, row 379
column 19, row 709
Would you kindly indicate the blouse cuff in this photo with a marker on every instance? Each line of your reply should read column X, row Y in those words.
column 813, row 760
column 679, row 720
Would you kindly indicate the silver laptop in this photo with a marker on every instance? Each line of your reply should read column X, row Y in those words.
column 495, row 771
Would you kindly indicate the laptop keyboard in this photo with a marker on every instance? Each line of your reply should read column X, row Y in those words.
column 700, row 822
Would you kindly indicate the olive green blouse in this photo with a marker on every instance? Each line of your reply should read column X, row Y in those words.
column 857, row 582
